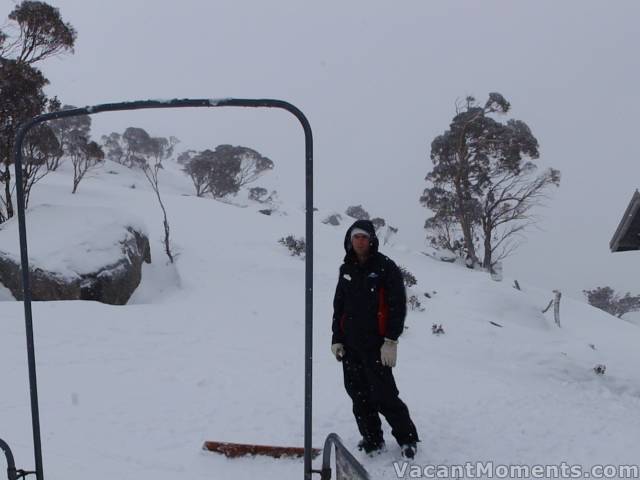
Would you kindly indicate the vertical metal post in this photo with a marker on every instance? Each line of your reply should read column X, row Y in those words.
column 26, row 288
column 308, row 350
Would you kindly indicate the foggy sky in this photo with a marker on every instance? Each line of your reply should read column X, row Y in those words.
column 378, row 81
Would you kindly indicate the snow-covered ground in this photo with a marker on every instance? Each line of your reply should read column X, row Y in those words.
column 211, row 348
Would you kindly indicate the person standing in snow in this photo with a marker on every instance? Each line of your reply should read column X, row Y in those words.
column 369, row 308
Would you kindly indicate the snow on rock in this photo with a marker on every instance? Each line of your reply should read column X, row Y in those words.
column 76, row 253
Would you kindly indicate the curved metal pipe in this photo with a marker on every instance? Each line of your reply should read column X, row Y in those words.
column 174, row 103
column 11, row 464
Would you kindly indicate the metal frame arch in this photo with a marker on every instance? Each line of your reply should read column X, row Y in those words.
column 174, row 103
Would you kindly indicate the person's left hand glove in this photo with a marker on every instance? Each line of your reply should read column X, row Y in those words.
column 389, row 352
column 338, row 351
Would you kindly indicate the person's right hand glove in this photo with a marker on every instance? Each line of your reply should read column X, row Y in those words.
column 389, row 352
column 338, row 351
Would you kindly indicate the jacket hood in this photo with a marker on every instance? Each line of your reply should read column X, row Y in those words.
column 368, row 227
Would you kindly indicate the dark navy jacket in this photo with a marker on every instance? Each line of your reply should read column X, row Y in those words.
column 370, row 300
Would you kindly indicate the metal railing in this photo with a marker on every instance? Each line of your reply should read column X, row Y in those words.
column 347, row 466
column 12, row 472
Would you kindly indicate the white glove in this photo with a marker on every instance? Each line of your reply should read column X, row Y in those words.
column 338, row 351
column 389, row 352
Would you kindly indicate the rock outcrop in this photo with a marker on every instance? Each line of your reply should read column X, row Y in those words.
column 114, row 283
column 76, row 253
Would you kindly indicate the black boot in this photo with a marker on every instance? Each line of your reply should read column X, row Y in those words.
column 371, row 447
column 409, row 450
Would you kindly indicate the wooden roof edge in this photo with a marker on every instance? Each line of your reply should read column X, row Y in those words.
column 629, row 213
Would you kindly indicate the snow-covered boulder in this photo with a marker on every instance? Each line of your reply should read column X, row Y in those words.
column 76, row 253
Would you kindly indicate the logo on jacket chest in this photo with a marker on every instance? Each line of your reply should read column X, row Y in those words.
column 363, row 281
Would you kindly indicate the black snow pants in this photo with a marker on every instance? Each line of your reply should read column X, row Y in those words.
column 373, row 390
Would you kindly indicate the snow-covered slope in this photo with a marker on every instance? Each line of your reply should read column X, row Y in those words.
column 212, row 348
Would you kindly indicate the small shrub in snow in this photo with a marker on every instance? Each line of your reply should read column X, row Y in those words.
column 258, row 194
column 296, row 246
column 334, row 220
column 378, row 222
column 357, row 212
column 605, row 298
column 437, row 329
column 408, row 277
column 600, row 369
column 414, row 303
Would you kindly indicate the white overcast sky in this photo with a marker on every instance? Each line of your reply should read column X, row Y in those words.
column 378, row 81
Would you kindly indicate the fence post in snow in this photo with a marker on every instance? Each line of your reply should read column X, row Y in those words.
column 556, row 306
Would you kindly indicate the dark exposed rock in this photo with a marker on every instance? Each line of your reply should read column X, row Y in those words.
column 113, row 283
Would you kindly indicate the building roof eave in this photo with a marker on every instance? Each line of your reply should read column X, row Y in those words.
column 626, row 221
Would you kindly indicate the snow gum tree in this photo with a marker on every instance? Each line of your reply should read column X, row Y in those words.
column 35, row 31
column 484, row 183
